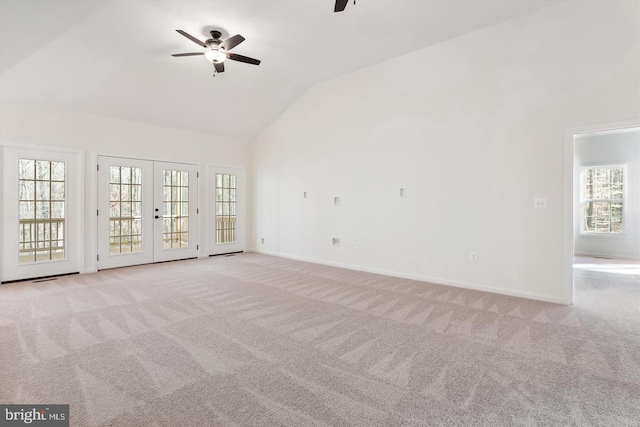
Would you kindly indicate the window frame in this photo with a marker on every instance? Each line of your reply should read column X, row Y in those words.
column 623, row 200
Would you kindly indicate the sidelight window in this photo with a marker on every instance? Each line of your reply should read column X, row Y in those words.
column 226, row 208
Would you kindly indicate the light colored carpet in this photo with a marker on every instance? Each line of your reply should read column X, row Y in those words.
column 254, row 340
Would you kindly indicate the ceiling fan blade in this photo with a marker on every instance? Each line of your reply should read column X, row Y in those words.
column 188, row 54
column 219, row 67
column 231, row 42
column 241, row 58
column 340, row 5
column 193, row 39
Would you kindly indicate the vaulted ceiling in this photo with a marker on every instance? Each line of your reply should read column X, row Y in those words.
column 112, row 57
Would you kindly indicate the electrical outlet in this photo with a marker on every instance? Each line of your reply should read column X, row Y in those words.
column 335, row 241
column 403, row 192
column 262, row 240
column 473, row 256
column 540, row 202
column 359, row 245
column 304, row 194
column 336, row 200
column 359, row 185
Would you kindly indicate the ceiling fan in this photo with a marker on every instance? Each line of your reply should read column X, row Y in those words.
column 341, row 4
column 218, row 50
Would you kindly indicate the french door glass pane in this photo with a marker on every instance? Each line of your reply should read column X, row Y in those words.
column 175, row 209
column 41, row 233
column 125, row 209
column 225, row 208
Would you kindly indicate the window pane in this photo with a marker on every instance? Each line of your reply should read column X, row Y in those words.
column 136, row 176
column 125, row 175
column 114, row 245
column 114, row 175
column 27, row 190
column 136, row 209
column 57, row 191
column 225, row 208
column 42, row 190
column 42, row 210
column 57, row 209
column 42, row 170
column 125, row 193
column 26, row 169
column 27, row 210
column 616, row 217
column 136, row 193
column 602, row 216
column 114, row 210
column 57, row 171
column 136, row 226
column 41, row 232
column 126, row 186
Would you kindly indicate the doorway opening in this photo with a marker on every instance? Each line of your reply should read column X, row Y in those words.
column 604, row 220
column 147, row 211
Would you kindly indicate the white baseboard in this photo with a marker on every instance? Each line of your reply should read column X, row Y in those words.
column 436, row 280
column 612, row 256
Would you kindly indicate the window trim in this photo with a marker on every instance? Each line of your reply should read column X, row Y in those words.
column 624, row 199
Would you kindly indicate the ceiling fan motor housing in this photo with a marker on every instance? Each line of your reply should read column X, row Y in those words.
column 213, row 44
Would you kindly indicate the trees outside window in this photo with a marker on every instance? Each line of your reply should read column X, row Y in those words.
column 603, row 199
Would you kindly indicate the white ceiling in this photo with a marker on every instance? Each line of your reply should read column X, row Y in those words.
column 112, row 57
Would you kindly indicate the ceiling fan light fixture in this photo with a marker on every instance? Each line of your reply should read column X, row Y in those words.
column 215, row 56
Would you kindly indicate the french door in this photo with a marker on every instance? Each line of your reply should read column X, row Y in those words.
column 226, row 193
column 41, row 213
column 147, row 211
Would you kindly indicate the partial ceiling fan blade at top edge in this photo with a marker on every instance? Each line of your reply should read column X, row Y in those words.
column 231, row 42
column 188, row 54
column 219, row 67
column 193, row 39
column 241, row 58
column 340, row 5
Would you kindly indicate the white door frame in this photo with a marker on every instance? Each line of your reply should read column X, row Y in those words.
column 154, row 252
column 214, row 248
column 105, row 258
column 569, row 214
column 164, row 254
column 74, row 214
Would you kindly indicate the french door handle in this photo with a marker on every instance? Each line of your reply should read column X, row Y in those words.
column 158, row 216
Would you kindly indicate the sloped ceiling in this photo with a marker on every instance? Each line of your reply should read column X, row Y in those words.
column 112, row 57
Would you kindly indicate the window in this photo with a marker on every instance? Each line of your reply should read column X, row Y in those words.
column 125, row 209
column 225, row 208
column 603, row 199
column 175, row 209
column 42, row 210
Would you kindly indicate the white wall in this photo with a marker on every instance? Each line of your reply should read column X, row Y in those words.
column 602, row 149
column 474, row 130
column 95, row 135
